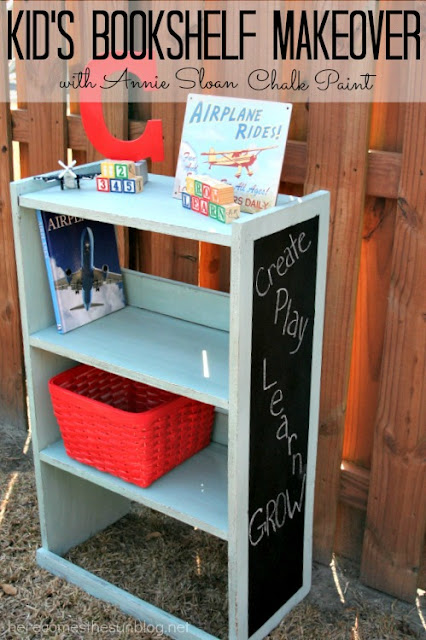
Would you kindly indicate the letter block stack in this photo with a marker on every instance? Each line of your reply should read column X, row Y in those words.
column 120, row 176
column 210, row 197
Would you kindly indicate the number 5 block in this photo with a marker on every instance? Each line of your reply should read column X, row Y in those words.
column 133, row 186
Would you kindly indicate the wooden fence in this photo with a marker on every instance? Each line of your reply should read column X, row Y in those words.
column 370, row 486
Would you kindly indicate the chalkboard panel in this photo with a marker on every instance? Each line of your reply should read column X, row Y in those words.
column 284, row 282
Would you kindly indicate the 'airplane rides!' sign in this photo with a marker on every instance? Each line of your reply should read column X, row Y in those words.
column 240, row 142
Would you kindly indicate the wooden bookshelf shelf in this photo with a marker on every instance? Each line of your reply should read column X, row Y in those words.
column 194, row 492
column 179, row 356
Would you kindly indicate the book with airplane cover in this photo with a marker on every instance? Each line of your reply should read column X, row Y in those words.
column 240, row 142
column 83, row 268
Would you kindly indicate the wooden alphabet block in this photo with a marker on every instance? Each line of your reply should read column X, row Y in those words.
column 116, row 186
column 190, row 185
column 221, row 216
column 102, row 184
column 195, row 203
column 213, row 210
column 125, row 170
column 107, row 169
column 229, row 212
column 186, row 200
column 215, row 195
column 129, row 186
column 133, row 186
column 139, row 184
column 198, row 188
column 207, row 191
column 222, row 194
column 204, row 207
column 121, row 171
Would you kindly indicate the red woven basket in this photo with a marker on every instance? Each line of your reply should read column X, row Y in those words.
column 127, row 428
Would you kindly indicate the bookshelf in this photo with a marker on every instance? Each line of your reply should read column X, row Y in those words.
column 164, row 337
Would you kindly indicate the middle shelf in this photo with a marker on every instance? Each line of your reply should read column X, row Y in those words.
column 194, row 492
column 176, row 355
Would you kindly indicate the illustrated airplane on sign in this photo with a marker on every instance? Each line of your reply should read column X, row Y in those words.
column 243, row 158
column 88, row 277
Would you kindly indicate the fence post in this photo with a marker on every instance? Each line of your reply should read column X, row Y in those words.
column 337, row 160
column 386, row 132
column 12, row 397
column 396, row 514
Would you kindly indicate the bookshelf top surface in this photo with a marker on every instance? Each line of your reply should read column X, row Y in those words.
column 153, row 210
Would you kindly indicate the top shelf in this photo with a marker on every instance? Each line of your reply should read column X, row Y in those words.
column 153, row 210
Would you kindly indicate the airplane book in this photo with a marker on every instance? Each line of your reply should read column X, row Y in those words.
column 83, row 268
column 240, row 142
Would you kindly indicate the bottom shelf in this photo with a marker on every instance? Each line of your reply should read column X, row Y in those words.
column 170, row 625
column 195, row 492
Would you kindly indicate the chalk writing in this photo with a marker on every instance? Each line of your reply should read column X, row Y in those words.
column 290, row 256
column 284, row 284
column 294, row 324
column 271, row 518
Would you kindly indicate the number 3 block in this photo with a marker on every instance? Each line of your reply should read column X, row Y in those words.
column 102, row 184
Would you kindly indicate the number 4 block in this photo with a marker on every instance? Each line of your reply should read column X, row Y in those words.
column 116, row 186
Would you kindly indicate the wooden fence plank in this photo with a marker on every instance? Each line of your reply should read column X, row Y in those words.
column 12, row 397
column 373, row 287
column 115, row 113
column 383, row 167
column 354, row 485
column 396, row 515
column 158, row 254
column 46, row 125
column 162, row 255
column 21, row 91
column 47, row 142
column 367, row 348
column 386, row 132
column 370, row 319
column 337, row 151
column 79, row 149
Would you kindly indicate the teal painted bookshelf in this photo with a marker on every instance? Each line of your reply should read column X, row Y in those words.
column 181, row 338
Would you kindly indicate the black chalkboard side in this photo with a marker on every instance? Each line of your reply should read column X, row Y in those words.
column 284, row 285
